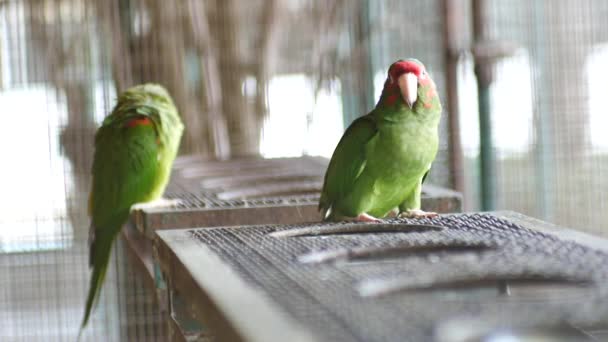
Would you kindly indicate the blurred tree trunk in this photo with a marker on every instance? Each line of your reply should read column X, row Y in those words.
column 328, row 27
column 62, row 56
column 219, row 120
column 217, row 132
column 265, row 58
column 242, row 127
column 154, row 51
column 357, row 87
column 114, row 21
column 166, row 58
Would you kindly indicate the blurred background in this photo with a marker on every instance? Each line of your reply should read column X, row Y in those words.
column 522, row 82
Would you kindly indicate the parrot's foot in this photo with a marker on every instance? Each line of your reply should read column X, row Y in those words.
column 365, row 218
column 393, row 213
column 417, row 213
column 159, row 203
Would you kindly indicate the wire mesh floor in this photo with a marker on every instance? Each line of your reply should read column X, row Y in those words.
column 397, row 282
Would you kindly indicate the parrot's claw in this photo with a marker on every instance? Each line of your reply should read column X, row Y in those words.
column 417, row 213
column 366, row 218
column 159, row 203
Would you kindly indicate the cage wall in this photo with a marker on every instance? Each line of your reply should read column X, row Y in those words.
column 548, row 145
column 276, row 78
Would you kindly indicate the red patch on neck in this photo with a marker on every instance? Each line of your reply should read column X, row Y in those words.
column 144, row 121
column 391, row 99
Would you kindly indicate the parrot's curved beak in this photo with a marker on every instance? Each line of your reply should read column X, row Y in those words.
column 408, row 84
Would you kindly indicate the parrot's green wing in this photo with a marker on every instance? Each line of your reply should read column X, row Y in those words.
column 134, row 150
column 425, row 175
column 347, row 162
column 125, row 167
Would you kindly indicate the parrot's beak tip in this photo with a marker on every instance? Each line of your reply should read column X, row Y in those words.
column 408, row 85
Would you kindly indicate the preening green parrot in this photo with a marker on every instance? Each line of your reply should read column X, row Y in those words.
column 383, row 157
column 134, row 151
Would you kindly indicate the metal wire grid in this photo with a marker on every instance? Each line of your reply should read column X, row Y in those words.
column 413, row 292
column 549, row 161
column 402, row 29
column 52, row 65
column 42, row 299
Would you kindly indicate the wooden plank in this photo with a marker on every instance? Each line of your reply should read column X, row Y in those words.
column 141, row 251
column 151, row 220
column 147, row 221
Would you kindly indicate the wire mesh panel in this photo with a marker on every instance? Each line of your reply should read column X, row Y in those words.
column 417, row 280
column 404, row 29
column 52, row 92
column 548, row 70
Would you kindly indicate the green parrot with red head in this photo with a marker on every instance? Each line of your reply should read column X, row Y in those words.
column 383, row 157
column 134, row 151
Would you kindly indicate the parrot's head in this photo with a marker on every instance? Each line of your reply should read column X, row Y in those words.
column 149, row 91
column 409, row 83
column 149, row 100
column 148, row 94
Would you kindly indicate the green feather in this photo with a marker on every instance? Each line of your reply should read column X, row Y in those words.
column 348, row 162
column 382, row 158
column 134, row 150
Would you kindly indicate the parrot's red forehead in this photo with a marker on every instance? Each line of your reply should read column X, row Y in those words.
column 401, row 67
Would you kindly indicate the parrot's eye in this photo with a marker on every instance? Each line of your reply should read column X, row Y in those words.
column 423, row 75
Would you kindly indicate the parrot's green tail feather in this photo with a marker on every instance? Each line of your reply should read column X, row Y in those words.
column 101, row 247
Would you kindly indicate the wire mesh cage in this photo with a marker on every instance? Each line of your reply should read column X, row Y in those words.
column 461, row 277
column 544, row 150
column 522, row 84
